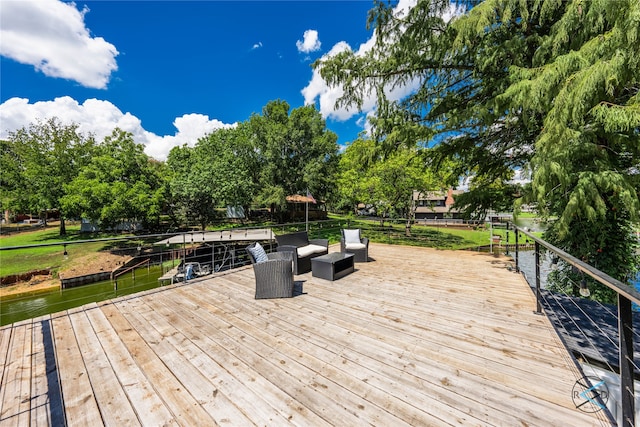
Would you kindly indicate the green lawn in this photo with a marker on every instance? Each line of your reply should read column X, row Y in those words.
column 29, row 259
column 439, row 237
column 43, row 257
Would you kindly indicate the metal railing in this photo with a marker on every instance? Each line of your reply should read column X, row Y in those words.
column 626, row 296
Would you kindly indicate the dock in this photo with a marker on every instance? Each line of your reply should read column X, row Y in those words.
column 416, row 337
column 169, row 276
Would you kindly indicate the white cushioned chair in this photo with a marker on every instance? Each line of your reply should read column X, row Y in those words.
column 352, row 242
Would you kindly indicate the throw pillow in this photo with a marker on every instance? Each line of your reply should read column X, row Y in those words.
column 352, row 236
column 258, row 253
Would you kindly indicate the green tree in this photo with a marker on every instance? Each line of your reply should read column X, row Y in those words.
column 295, row 153
column 353, row 186
column 120, row 183
column 191, row 198
column 10, row 177
column 43, row 158
column 547, row 85
column 232, row 162
column 386, row 180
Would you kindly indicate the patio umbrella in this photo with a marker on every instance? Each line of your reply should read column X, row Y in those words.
column 298, row 198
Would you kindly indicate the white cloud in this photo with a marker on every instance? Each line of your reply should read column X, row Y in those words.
column 318, row 90
column 51, row 36
column 190, row 127
column 101, row 117
column 256, row 46
column 310, row 42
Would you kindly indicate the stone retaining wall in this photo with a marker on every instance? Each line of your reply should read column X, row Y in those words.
column 72, row 282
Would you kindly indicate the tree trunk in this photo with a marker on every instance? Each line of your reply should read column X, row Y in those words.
column 63, row 228
column 407, row 228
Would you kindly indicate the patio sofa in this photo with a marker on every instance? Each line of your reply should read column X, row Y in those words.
column 302, row 249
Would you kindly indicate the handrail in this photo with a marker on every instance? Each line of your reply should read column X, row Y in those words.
column 614, row 284
column 126, row 270
column 626, row 294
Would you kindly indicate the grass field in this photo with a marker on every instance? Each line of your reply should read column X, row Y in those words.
column 44, row 257
column 17, row 261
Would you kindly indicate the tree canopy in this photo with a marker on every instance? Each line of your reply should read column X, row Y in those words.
column 296, row 153
column 259, row 162
column 118, row 184
column 545, row 86
column 40, row 160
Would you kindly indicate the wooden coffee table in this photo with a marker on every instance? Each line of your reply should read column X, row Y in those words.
column 332, row 266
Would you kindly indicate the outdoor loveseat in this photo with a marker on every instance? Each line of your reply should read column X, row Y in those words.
column 302, row 249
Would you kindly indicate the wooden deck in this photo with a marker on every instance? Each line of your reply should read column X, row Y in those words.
column 417, row 337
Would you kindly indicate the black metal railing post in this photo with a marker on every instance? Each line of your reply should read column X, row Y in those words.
column 507, row 239
column 626, row 296
column 538, row 306
column 625, row 332
column 517, row 252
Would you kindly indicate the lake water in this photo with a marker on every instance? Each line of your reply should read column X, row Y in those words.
column 26, row 307
column 527, row 262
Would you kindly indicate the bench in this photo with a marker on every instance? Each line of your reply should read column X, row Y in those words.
column 302, row 248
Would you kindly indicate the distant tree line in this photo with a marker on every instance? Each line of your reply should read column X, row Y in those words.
column 51, row 166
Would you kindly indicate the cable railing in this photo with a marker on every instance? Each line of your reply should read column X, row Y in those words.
column 147, row 258
column 591, row 330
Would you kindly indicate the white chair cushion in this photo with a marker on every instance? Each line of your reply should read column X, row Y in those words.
column 259, row 253
column 355, row 246
column 351, row 236
column 310, row 249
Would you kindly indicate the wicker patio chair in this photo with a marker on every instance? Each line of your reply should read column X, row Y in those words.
column 353, row 243
column 274, row 276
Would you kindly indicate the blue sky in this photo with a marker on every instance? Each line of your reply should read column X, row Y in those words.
column 170, row 71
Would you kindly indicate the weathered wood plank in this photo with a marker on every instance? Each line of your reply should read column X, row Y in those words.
column 374, row 356
column 353, row 377
column 416, row 337
column 16, row 382
column 5, row 340
column 176, row 398
column 234, row 370
column 115, row 408
column 246, row 400
column 165, row 340
column 149, row 407
column 80, row 403
column 46, row 400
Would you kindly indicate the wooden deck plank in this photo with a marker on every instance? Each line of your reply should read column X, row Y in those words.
column 245, row 399
column 184, row 408
column 474, row 344
column 165, row 340
column 236, row 370
column 5, row 358
column 327, row 358
column 16, row 382
column 416, row 337
column 280, row 369
column 305, row 362
column 114, row 405
column 46, row 400
column 149, row 407
column 5, row 340
column 376, row 355
column 80, row 403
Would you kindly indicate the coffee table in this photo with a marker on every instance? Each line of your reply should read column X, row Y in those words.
column 332, row 266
